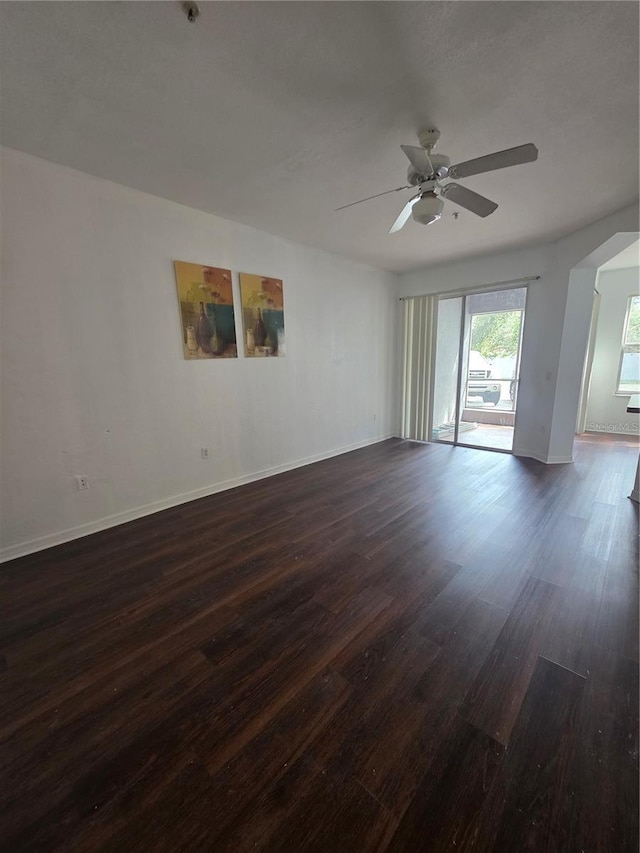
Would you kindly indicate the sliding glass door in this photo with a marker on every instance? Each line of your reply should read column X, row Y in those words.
column 476, row 368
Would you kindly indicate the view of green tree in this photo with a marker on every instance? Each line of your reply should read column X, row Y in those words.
column 633, row 325
column 496, row 335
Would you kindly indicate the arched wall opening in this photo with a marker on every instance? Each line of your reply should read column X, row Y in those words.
column 575, row 341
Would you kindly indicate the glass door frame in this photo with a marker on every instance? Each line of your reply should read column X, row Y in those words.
column 463, row 358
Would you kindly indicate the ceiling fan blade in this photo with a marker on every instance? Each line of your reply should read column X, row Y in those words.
column 500, row 160
column 466, row 198
column 377, row 195
column 419, row 159
column 405, row 213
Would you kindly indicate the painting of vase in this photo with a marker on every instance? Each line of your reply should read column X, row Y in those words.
column 205, row 295
column 262, row 315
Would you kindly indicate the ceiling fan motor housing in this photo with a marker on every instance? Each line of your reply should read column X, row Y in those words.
column 440, row 165
column 427, row 209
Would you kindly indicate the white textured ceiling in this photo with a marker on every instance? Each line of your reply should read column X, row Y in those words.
column 274, row 114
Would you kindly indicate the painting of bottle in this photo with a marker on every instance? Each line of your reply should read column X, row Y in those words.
column 259, row 331
column 203, row 330
column 207, row 314
column 262, row 315
column 216, row 341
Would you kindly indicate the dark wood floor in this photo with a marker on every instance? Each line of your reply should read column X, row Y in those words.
column 406, row 648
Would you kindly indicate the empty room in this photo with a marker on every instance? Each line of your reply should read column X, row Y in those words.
column 320, row 394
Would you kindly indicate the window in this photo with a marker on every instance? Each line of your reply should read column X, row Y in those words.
column 629, row 374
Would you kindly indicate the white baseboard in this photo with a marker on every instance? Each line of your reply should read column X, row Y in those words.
column 548, row 460
column 51, row 539
column 559, row 460
column 633, row 434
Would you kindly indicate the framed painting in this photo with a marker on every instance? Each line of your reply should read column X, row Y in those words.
column 206, row 311
column 262, row 315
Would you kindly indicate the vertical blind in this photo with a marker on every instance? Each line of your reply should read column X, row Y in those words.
column 420, row 315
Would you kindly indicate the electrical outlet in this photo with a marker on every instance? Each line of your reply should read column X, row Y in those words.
column 204, row 453
column 82, row 483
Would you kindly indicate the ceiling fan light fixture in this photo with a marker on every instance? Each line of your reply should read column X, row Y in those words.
column 427, row 209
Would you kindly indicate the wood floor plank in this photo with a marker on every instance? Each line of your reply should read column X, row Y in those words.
column 616, row 625
column 493, row 701
column 572, row 635
column 435, row 704
column 600, row 809
column 598, row 540
column 448, row 799
column 252, row 702
column 555, row 555
column 524, row 807
column 367, row 736
column 287, row 737
column 37, row 785
column 440, row 620
column 229, row 792
column 312, row 810
column 181, row 819
column 359, row 662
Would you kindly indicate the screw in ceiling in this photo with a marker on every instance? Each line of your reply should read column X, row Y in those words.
column 191, row 10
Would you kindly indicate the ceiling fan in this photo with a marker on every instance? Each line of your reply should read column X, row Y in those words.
column 427, row 171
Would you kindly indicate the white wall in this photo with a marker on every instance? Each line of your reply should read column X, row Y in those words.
column 556, row 325
column 607, row 412
column 93, row 377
